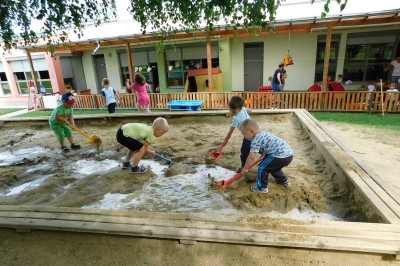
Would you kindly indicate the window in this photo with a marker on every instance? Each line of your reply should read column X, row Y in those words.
column 182, row 59
column 144, row 62
column 4, row 86
column 22, row 79
column 319, row 65
column 368, row 54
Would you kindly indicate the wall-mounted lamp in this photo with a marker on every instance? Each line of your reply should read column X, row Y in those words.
column 97, row 48
column 221, row 47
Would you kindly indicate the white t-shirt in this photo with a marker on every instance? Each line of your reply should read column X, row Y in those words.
column 371, row 88
column 396, row 68
column 240, row 117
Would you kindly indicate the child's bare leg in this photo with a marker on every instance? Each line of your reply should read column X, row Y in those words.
column 62, row 143
column 147, row 107
column 129, row 156
column 138, row 156
column 71, row 140
column 139, row 107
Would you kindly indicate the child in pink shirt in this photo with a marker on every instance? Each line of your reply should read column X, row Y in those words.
column 140, row 86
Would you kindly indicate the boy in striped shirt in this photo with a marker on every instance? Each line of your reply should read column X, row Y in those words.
column 276, row 152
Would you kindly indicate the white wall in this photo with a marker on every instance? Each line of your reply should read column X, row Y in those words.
column 89, row 69
column 303, row 49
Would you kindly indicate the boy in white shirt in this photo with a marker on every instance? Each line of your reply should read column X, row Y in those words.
column 239, row 114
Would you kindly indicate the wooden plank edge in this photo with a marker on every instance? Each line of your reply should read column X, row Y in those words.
column 381, row 182
column 193, row 234
column 380, row 206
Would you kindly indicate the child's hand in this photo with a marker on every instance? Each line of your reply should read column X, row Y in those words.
column 244, row 170
column 153, row 153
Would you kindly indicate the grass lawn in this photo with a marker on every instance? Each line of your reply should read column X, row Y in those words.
column 389, row 121
column 86, row 112
column 4, row 111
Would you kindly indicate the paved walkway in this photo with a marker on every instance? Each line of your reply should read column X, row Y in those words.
column 20, row 112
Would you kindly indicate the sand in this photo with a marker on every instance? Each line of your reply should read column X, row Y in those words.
column 378, row 148
column 188, row 144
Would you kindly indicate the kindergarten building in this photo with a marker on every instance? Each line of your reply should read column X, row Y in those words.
column 361, row 47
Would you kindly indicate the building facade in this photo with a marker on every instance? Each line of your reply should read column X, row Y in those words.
column 360, row 53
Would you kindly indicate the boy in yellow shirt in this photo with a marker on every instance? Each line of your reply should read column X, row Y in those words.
column 137, row 137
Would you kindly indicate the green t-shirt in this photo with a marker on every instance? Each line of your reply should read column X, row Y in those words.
column 61, row 111
column 139, row 131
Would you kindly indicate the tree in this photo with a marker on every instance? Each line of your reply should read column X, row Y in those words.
column 161, row 16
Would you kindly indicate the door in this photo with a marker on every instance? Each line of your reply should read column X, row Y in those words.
column 101, row 71
column 253, row 65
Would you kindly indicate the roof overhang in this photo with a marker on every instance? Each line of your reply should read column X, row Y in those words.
column 280, row 27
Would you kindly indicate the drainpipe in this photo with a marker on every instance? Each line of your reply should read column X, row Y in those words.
column 97, row 48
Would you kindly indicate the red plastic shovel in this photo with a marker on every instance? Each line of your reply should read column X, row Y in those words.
column 222, row 184
column 217, row 154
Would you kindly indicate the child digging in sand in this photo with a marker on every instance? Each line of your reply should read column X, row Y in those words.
column 137, row 137
column 239, row 114
column 276, row 152
column 61, row 119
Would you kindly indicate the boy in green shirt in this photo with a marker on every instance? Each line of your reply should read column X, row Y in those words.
column 61, row 119
column 137, row 137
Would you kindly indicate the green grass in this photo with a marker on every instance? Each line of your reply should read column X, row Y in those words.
column 389, row 121
column 85, row 112
column 4, row 111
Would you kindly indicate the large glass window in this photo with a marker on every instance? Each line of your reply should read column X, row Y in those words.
column 22, row 80
column 333, row 55
column 144, row 62
column 4, row 86
column 182, row 60
column 368, row 54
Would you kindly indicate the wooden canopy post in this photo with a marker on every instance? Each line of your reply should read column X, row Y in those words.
column 128, row 54
column 327, row 54
column 33, row 71
column 209, row 63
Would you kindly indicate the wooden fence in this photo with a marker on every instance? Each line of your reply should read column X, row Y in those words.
column 359, row 101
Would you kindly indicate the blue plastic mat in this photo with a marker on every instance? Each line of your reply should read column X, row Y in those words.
column 182, row 105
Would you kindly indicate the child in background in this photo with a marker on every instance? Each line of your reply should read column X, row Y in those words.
column 392, row 96
column 275, row 151
column 110, row 93
column 269, row 81
column 329, row 84
column 339, row 79
column 140, row 86
column 137, row 137
column 128, row 87
column 61, row 119
column 239, row 114
column 371, row 86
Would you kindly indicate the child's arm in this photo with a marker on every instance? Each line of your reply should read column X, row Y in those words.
column 65, row 121
column 250, row 160
column 104, row 94
column 249, row 111
column 118, row 97
column 71, row 120
column 228, row 136
column 146, row 145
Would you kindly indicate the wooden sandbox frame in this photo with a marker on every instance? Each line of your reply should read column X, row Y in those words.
column 381, row 238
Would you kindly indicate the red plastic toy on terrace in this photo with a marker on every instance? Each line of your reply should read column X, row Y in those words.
column 217, row 154
column 222, row 184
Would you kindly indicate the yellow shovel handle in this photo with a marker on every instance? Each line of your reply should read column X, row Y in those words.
column 80, row 131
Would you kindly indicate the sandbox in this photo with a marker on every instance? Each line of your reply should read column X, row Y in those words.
column 335, row 201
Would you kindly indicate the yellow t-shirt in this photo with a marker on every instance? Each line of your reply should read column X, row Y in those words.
column 139, row 131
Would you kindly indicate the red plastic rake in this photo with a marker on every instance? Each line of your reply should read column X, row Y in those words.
column 217, row 154
column 222, row 184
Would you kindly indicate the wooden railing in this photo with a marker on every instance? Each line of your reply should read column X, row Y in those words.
column 359, row 101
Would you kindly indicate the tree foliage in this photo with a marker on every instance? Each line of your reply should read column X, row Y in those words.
column 160, row 16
